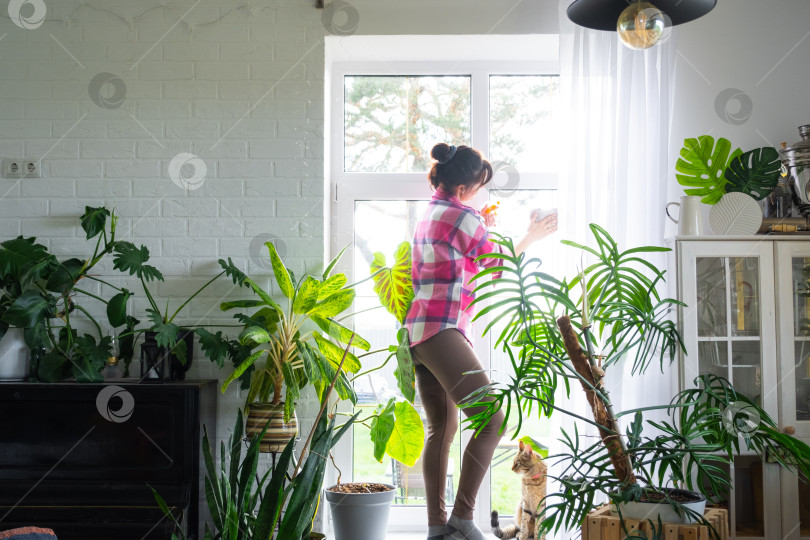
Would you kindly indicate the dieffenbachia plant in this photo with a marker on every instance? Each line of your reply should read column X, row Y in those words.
column 280, row 351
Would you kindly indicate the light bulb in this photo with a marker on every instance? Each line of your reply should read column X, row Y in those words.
column 641, row 25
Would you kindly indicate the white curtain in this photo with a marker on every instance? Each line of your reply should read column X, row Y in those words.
column 615, row 124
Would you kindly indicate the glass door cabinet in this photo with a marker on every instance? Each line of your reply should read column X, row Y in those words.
column 747, row 318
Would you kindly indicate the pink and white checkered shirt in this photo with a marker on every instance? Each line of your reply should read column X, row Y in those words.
column 446, row 242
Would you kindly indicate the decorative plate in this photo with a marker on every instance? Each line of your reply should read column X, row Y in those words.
column 735, row 214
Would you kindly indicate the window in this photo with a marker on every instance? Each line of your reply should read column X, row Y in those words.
column 384, row 118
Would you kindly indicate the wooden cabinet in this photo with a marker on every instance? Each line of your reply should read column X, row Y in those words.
column 747, row 318
column 79, row 458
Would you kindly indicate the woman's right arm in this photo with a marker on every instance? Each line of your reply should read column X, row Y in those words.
column 537, row 231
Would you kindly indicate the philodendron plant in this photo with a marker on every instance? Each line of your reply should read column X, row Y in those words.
column 573, row 331
column 133, row 260
column 43, row 295
column 286, row 345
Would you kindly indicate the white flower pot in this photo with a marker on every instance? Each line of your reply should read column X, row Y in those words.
column 14, row 356
column 360, row 516
column 652, row 510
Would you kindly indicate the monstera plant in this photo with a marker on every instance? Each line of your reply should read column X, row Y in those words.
column 285, row 346
column 566, row 332
column 44, row 296
column 710, row 169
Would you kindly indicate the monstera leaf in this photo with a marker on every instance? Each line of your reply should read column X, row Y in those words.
column 702, row 166
column 754, row 173
column 393, row 285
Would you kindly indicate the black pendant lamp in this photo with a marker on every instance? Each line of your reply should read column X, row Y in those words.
column 640, row 24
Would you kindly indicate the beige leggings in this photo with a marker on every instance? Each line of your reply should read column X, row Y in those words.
column 440, row 362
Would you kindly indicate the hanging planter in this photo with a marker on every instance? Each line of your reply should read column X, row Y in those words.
column 360, row 511
column 278, row 433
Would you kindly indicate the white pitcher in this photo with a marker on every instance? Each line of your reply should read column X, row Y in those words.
column 690, row 218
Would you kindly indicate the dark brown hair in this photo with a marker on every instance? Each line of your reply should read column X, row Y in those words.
column 464, row 167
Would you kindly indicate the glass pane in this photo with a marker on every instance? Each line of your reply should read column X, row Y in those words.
column 713, row 358
column 513, row 217
column 521, row 109
column 382, row 226
column 802, row 375
column 801, row 329
column 748, row 496
column 391, row 123
column 744, row 296
column 409, row 481
column 514, row 211
column 746, row 364
column 801, row 305
column 711, row 296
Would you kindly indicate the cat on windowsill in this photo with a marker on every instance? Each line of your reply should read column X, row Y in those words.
column 530, row 466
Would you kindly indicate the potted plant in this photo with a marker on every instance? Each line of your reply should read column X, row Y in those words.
column 285, row 346
column 41, row 299
column 280, row 504
column 360, row 509
column 575, row 330
column 172, row 340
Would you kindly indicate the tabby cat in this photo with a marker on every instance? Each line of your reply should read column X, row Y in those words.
column 530, row 466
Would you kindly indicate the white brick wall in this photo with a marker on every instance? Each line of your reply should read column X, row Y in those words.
column 230, row 81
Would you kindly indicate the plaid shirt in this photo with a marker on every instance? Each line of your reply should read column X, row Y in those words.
column 445, row 245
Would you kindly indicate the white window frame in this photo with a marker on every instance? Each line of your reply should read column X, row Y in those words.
column 345, row 188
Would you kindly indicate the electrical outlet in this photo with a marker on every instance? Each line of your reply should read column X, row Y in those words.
column 31, row 168
column 12, row 168
column 22, row 168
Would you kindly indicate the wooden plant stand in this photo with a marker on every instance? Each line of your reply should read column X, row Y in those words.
column 600, row 525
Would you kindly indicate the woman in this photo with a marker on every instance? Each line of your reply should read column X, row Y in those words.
column 447, row 241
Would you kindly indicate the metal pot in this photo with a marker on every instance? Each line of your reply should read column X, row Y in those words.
column 797, row 160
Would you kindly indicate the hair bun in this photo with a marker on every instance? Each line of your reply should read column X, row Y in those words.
column 440, row 152
column 443, row 153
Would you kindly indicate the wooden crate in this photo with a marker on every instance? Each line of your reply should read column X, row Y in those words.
column 600, row 525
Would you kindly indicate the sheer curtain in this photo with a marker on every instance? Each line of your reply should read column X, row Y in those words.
column 615, row 124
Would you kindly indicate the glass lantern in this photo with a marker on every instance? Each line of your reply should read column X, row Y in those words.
column 154, row 362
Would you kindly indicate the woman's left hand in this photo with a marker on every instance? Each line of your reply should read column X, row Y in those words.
column 488, row 212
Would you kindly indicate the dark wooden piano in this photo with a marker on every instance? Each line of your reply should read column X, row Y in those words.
column 81, row 461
